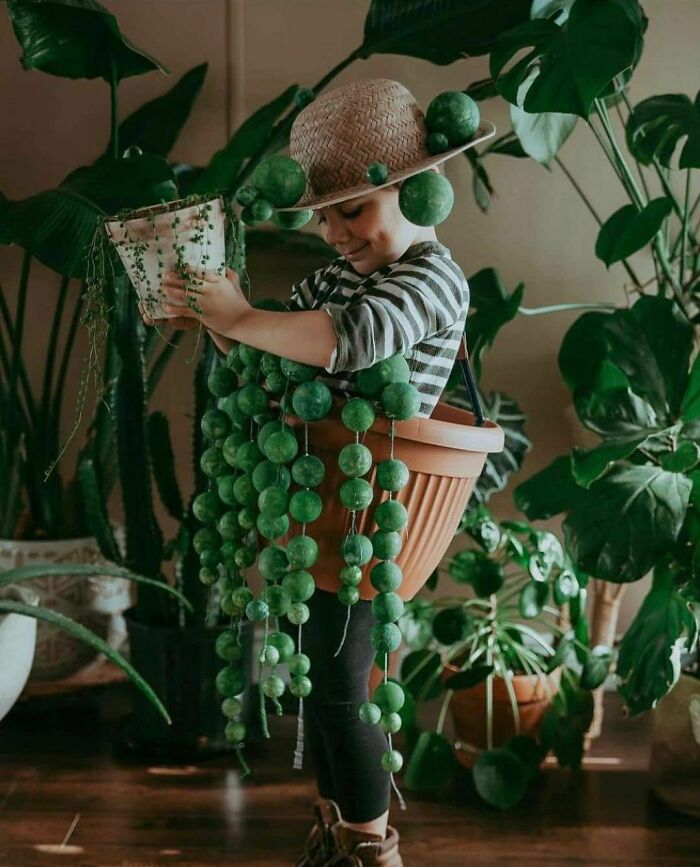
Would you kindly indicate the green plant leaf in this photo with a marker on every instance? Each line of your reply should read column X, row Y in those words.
column 469, row 677
column 565, row 587
column 528, row 751
column 532, row 597
column 77, row 630
column 253, row 134
column 163, row 460
column 690, row 405
column 440, row 31
column 567, row 720
column 85, row 570
column 500, row 778
column 684, row 458
column 648, row 661
column 550, row 491
column 75, row 39
column 587, row 465
column 155, row 126
column 625, row 521
column 432, row 764
column 628, row 230
column 656, row 126
column 415, row 624
column 420, row 674
column 541, row 135
column 575, row 62
column 596, row 667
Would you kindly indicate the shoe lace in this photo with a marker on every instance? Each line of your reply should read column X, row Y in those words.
column 343, row 858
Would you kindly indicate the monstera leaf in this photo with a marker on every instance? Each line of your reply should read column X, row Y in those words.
column 155, row 126
column 575, row 62
column 499, row 466
column 541, row 135
column 76, row 39
column 648, row 662
column 440, row 31
column 657, row 125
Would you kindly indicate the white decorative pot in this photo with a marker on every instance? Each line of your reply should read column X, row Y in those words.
column 164, row 237
column 17, row 645
column 97, row 603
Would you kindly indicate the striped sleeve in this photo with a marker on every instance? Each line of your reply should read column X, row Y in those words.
column 305, row 291
column 415, row 301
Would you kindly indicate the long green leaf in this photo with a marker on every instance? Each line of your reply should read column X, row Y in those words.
column 163, row 460
column 86, row 570
column 658, row 123
column 83, row 634
column 75, row 39
column 628, row 230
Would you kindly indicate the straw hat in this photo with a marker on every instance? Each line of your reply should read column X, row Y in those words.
column 343, row 131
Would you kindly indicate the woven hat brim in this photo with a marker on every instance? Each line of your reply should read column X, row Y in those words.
column 485, row 131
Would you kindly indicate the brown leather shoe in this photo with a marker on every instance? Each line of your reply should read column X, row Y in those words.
column 320, row 845
column 362, row 849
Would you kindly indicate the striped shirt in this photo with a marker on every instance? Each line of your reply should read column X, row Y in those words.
column 416, row 306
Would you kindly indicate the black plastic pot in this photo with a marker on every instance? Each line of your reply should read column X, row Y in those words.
column 180, row 664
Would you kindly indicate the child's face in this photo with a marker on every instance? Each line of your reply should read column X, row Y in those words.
column 369, row 231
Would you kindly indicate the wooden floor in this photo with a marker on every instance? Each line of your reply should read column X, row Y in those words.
column 58, row 772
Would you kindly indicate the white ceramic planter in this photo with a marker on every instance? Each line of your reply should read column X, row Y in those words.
column 148, row 230
column 17, row 646
column 97, row 603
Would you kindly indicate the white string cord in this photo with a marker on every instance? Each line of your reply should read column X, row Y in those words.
column 299, row 748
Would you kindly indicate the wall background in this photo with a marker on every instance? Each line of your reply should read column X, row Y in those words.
column 537, row 229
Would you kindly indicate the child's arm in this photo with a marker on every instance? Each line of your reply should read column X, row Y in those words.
column 306, row 336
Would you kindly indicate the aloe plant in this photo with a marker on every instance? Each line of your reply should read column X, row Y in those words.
column 77, row 630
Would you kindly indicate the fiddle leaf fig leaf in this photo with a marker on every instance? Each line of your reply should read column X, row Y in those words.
column 576, row 59
column 648, row 662
column 616, row 412
column 656, row 126
column 628, row 230
column 76, row 39
column 550, row 491
column 685, row 457
column 587, row 465
column 625, row 521
column 440, row 31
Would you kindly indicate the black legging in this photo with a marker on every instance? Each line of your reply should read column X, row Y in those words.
column 346, row 752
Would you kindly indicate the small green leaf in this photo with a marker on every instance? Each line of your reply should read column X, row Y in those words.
column 596, row 667
column 690, row 407
column 628, row 230
column 685, row 458
column 565, row 587
column 532, row 597
column 432, row 764
column 501, row 778
column 468, row 678
column 550, row 491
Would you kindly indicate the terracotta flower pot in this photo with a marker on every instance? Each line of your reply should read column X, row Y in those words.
column 445, row 455
column 140, row 235
column 468, row 711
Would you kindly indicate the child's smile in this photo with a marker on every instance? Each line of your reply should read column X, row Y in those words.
column 370, row 231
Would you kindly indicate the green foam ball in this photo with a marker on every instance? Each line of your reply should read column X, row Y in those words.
column 356, row 494
column 299, row 664
column 302, row 552
column 221, row 381
column 266, row 473
column 426, row 199
column 356, row 550
column 370, row 713
column 281, row 447
column 305, row 506
column 280, row 180
column 372, row 381
column 392, row 475
column 386, row 545
column 246, row 195
column 215, row 424
column 391, row 515
column 355, row 460
column 207, row 507
column 273, row 562
column 387, row 607
column 377, row 173
column 261, row 210
column 284, row 643
column 272, row 528
column 257, row 610
column 308, row 471
column 455, row 115
column 278, row 601
column 437, row 143
column 312, row 400
column 230, row 681
column 386, row 576
column 298, row 613
column 252, row 399
column 273, row 501
column 299, row 584
column 348, row 595
column 292, row 219
column 389, row 697
column 300, row 686
column 297, row 371
column 385, row 637
column 358, row 415
column 400, row 400
column 392, row 761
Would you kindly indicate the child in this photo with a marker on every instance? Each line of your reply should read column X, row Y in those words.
column 393, row 289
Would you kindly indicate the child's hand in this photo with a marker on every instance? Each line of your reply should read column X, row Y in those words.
column 180, row 323
column 219, row 300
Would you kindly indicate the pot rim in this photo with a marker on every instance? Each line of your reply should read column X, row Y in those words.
column 456, row 429
column 163, row 208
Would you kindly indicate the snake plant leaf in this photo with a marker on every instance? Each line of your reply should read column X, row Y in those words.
column 656, row 126
column 155, row 126
column 432, row 764
column 650, row 344
column 254, row 133
column 550, row 491
column 77, row 630
column 470, row 677
column 625, row 521
column 86, row 570
column 500, row 778
column 596, row 667
column 440, row 31
column 420, row 674
column 541, row 135
column 76, row 39
column 628, row 230
column 648, row 662
column 587, row 465
column 690, row 404
column 575, row 61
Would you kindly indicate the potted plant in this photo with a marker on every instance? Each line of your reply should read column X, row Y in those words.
column 516, row 681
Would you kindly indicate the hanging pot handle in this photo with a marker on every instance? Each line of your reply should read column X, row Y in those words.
column 465, row 367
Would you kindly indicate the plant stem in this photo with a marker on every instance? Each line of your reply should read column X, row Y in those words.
column 556, row 308
column 684, row 229
column 51, row 352
column 443, row 711
column 15, row 357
